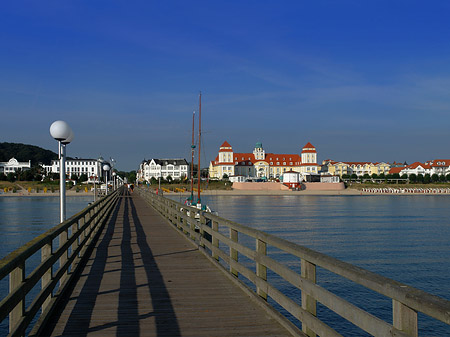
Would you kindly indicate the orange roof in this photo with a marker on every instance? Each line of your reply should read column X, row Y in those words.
column 396, row 170
column 225, row 144
column 440, row 163
column 309, row 146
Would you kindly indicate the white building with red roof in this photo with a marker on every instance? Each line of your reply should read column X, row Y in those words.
column 259, row 164
column 436, row 166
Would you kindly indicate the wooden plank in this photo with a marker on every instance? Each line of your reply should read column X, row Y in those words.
column 144, row 278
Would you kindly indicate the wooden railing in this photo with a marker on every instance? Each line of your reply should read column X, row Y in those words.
column 210, row 232
column 63, row 249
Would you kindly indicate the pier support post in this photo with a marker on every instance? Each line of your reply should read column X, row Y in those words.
column 16, row 277
column 404, row 318
column 261, row 270
column 308, row 271
column 46, row 252
column 215, row 240
column 233, row 252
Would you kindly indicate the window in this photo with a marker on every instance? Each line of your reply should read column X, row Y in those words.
column 284, row 163
column 271, row 163
column 278, row 163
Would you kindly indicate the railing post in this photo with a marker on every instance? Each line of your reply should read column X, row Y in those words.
column 16, row 277
column 46, row 252
column 193, row 220
column 308, row 272
column 404, row 318
column 63, row 237
column 233, row 252
column 261, row 270
column 215, row 241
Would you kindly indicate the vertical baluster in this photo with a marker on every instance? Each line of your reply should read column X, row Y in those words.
column 46, row 252
column 75, row 229
column 404, row 318
column 63, row 259
column 215, row 240
column 261, row 270
column 16, row 277
column 193, row 220
column 308, row 271
column 233, row 252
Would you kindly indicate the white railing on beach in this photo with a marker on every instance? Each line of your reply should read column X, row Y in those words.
column 406, row 190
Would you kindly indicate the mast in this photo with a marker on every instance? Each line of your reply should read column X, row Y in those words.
column 199, row 144
column 192, row 160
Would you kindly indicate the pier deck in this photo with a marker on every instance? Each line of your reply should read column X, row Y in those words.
column 145, row 279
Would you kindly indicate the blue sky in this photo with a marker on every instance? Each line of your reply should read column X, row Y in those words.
column 360, row 80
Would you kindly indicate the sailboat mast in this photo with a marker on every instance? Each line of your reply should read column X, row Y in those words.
column 192, row 160
column 199, row 144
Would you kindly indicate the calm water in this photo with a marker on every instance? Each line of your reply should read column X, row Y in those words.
column 406, row 238
column 23, row 218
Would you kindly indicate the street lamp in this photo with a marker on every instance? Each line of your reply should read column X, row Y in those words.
column 106, row 169
column 114, row 180
column 62, row 132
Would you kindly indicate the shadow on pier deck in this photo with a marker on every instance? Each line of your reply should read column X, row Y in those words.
column 143, row 278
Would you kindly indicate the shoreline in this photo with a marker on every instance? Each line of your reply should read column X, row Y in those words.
column 346, row 192
column 48, row 194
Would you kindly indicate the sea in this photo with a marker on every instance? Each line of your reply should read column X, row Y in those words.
column 22, row 218
column 405, row 238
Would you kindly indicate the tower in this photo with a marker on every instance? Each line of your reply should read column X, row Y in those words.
column 259, row 152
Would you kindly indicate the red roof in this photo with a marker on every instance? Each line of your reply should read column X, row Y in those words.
column 396, row 170
column 309, row 146
column 225, row 144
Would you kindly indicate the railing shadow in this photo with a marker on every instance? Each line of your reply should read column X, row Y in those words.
column 128, row 318
column 166, row 320
column 78, row 323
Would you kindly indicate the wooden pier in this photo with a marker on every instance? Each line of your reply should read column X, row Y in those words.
column 145, row 279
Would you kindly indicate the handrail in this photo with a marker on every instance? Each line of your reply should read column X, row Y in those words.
column 59, row 265
column 203, row 229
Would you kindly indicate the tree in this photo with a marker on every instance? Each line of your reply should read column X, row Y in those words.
column 345, row 176
column 11, row 177
column 381, row 176
column 442, row 178
column 412, row 178
column 83, row 178
column 420, row 178
column 427, row 179
column 225, row 176
column 404, row 176
column 169, row 179
column 74, row 177
column 434, row 178
column 447, row 177
column 374, row 176
column 353, row 176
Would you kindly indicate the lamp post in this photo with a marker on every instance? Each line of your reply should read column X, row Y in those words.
column 62, row 132
column 106, row 169
column 114, row 180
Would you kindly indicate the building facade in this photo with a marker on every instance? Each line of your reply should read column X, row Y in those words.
column 13, row 165
column 261, row 165
column 359, row 168
column 163, row 168
column 92, row 168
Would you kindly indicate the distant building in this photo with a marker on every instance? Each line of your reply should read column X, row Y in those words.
column 155, row 168
column 436, row 166
column 262, row 165
column 13, row 165
column 92, row 168
column 359, row 168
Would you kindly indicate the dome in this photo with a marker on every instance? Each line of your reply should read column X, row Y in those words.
column 258, row 145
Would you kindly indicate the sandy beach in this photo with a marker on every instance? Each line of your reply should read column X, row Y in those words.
column 21, row 193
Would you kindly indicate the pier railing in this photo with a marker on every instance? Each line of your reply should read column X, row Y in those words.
column 63, row 250
column 219, row 239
